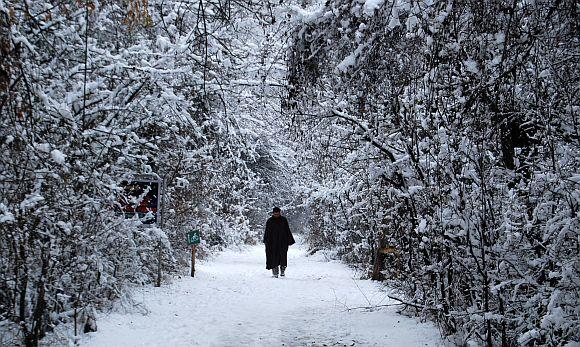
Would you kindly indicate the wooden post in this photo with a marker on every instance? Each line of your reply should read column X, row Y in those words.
column 75, row 319
column 380, row 258
column 75, row 313
column 159, row 255
column 192, row 260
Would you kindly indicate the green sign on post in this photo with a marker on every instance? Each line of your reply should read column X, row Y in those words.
column 193, row 237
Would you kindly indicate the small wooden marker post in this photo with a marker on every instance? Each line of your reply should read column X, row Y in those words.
column 192, row 260
column 193, row 239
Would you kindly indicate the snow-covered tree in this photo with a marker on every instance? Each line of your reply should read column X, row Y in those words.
column 97, row 93
column 448, row 131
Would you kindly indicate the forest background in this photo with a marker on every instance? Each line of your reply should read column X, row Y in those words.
column 444, row 131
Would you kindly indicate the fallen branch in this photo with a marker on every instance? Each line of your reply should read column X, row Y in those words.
column 423, row 307
column 403, row 302
column 370, row 308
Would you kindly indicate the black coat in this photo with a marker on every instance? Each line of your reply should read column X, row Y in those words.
column 277, row 238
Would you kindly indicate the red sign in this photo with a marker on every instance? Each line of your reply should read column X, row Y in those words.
column 141, row 198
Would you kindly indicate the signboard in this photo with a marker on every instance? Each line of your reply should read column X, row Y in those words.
column 140, row 197
column 193, row 238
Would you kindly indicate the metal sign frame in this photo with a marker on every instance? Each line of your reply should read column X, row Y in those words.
column 150, row 203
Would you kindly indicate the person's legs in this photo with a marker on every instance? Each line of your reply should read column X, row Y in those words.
column 283, row 260
column 275, row 271
column 282, row 269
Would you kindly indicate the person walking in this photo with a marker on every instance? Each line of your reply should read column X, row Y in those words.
column 277, row 238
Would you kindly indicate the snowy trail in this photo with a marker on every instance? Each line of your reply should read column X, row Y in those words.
column 234, row 301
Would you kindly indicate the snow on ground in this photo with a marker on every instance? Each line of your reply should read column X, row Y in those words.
column 234, row 301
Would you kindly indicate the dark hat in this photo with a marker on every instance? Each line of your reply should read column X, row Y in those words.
column 276, row 209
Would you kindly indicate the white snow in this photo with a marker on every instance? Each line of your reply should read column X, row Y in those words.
column 163, row 42
column 371, row 5
column 43, row 147
column 31, row 200
column 394, row 21
column 306, row 15
column 528, row 336
column 471, row 66
column 234, row 301
column 5, row 215
column 58, row 156
column 347, row 62
column 544, row 74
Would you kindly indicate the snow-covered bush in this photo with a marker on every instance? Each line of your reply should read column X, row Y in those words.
column 96, row 92
column 448, row 131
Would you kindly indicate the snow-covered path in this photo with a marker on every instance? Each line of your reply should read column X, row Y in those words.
column 234, row 301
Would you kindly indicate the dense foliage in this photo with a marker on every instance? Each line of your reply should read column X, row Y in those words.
column 448, row 131
column 94, row 93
